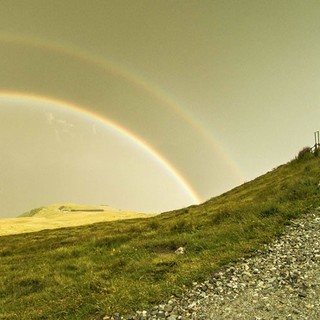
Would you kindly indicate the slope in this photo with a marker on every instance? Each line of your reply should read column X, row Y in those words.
column 62, row 216
column 91, row 271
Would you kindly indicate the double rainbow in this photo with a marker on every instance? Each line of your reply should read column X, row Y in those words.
column 138, row 82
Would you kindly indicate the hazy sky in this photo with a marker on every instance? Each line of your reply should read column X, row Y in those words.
column 151, row 105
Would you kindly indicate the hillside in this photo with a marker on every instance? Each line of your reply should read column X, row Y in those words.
column 62, row 216
column 91, row 271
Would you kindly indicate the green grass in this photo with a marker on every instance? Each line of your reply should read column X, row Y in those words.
column 91, row 271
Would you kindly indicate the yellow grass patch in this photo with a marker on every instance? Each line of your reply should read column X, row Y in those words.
column 65, row 215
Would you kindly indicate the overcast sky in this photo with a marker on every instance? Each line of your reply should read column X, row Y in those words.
column 151, row 105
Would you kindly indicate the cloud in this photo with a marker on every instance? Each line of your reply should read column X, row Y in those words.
column 50, row 118
column 60, row 126
column 65, row 123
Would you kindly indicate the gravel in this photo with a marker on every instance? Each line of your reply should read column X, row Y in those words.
column 280, row 282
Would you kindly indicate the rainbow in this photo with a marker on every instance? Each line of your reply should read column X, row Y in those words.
column 131, row 137
column 112, row 68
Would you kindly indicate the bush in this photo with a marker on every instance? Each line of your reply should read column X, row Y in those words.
column 305, row 153
column 269, row 210
column 182, row 226
column 154, row 225
column 220, row 217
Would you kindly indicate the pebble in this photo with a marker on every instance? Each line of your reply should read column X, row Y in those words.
column 280, row 282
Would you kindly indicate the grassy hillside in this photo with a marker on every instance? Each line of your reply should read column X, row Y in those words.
column 90, row 271
column 63, row 215
column 66, row 208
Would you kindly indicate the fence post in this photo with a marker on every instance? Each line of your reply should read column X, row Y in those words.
column 316, row 140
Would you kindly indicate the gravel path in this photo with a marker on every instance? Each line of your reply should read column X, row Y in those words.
column 282, row 282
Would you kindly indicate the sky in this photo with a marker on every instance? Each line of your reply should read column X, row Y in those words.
column 151, row 105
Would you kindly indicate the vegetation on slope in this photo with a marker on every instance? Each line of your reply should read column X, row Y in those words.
column 63, row 215
column 65, row 207
column 90, row 271
column 32, row 212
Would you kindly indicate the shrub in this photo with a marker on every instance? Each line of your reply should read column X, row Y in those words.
column 269, row 210
column 154, row 225
column 182, row 226
column 220, row 216
column 305, row 153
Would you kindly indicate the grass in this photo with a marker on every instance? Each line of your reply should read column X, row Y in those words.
column 91, row 271
column 66, row 215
